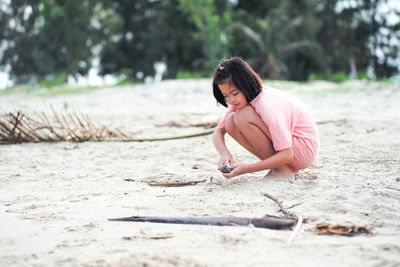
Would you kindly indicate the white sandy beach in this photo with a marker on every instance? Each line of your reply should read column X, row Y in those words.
column 56, row 198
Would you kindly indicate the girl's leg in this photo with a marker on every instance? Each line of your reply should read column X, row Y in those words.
column 248, row 129
column 254, row 131
column 236, row 134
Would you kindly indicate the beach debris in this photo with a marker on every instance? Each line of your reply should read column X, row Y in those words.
column 166, row 184
column 150, row 237
column 149, row 234
column 18, row 127
column 166, row 138
column 205, row 124
column 270, row 222
column 170, row 180
column 295, row 231
column 289, row 214
column 145, row 235
column 175, row 184
column 322, row 228
column 393, row 188
column 294, row 205
column 340, row 229
column 282, row 209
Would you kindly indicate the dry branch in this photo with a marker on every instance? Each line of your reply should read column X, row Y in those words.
column 18, row 127
column 279, row 203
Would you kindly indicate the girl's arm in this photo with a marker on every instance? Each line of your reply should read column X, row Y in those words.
column 279, row 159
column 225, row 157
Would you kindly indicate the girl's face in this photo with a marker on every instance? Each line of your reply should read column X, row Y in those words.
column 232, row 95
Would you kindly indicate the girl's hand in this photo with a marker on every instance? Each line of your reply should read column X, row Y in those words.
column 238, row 169
column 225, row 159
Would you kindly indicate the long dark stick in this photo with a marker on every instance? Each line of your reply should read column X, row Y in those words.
column 270, row 222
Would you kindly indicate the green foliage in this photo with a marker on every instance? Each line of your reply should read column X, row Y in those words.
column 209, row 29
column 385, row 80
column 364, row 76
column 314, row 77
column 338, row 77
column 54, row 80
column 188, row 75
column 145, row 38
column 343, row 36
column 283, row 41
column 51, row 37
column 45, row 41
column 124, row 77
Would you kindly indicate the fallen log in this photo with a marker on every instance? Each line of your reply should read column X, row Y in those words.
column 270, row 222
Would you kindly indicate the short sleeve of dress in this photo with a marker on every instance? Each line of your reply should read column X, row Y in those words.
column 221, row 123
column 280, row 128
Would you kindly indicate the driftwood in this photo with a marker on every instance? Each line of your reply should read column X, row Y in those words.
column 292, row 215
column 321, row 228
column 270, row 222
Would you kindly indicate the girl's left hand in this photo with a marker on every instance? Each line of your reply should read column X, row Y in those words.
column 238, row 169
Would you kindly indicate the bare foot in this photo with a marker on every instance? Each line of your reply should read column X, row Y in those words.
column 280, row 173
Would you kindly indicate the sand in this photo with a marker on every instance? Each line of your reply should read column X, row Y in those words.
column 55, row 198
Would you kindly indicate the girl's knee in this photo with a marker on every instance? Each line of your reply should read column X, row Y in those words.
column 230, row 123
column 244, row 115
column 248, row 115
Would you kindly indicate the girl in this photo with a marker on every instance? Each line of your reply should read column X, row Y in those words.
column 273, row 125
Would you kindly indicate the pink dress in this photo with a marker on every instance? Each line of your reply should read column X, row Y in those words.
column 290, row 124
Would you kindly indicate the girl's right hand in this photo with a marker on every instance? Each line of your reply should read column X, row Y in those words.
column 225, row 159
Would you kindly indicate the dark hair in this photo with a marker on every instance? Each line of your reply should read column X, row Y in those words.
column 238, row 72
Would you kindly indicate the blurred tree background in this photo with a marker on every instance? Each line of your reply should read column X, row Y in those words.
column 48, row 40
